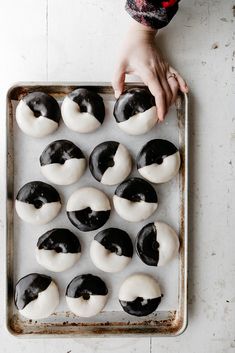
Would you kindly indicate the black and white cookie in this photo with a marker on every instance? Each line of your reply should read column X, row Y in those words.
column 38, row 114
column 58, row 249
column 83, row 110
column 158, row 161
column 37, row 203
column 135, row 111
column 86, row 295
column 139, row 295
column 110, row 163
column 62, row 162
column 111, row 250
column 157, row 244
column 88, row 209
column 135, row 200
column 36, row 296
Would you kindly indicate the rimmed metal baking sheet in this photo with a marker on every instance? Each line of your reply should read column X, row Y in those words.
column 22, row 166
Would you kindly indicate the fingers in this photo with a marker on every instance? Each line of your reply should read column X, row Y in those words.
column 182, row 84
column 174, row 86
column 167, row 89
column 119, row 80
column 157, row 91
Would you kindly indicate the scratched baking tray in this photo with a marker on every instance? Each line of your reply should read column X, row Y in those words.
column 21, row 238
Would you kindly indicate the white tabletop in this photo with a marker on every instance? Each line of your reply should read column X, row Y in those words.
column 71, row 40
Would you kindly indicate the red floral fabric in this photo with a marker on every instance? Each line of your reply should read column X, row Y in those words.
column 152, row 13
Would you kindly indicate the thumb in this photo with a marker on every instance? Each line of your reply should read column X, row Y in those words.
column 119, row 80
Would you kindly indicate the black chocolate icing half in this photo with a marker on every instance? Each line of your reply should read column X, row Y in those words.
column 147, row 246
column 101, row 158
column 131, row 102
column 59, row 152
column 37, row 193
column 86, row 285
column 154, row 152
column 89, row 102
column 87, row 220
column 43, row 104
column 28, row 288
column 115, row 240
column 140, row 306
column 61, row 240
column 136, row 190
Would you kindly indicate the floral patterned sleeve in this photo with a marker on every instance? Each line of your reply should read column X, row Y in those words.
column 152, row 13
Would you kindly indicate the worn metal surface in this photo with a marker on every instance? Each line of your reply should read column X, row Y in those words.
column 63, row 323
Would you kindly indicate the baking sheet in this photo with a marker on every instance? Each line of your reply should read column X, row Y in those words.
column 26, row 153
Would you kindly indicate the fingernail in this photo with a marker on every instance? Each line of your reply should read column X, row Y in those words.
column 117, row 94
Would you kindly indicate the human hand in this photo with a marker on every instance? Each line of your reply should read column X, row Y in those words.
column 140, row 56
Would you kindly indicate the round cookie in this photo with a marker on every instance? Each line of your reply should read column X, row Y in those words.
column 110, row 163
column 158, row 161
column 111, row 250
column 37, row 203
column 135, row 200
column 157, row 244
column 62, row 162
column 83, row 110
column 58, row 249
column 139, row 295
column 36, row 296
column 88, row 209
column 86, row 295
column 135, row 111
column 38, row 114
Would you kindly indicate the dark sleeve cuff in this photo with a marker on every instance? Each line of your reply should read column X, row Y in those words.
column 154, row 14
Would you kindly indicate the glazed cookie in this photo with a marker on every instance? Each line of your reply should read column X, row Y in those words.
column 135, row 200
column 58, row 249
column 37, row 203
column 158, row 161
column 36, row 296
column 110, row 163
column 62, row 162
column 157, row 244
column 38, row 114
column 86, row 295
column 139, row 295
column 83, row 110
column 88, row 209
column 135, row 111
column 111, row 250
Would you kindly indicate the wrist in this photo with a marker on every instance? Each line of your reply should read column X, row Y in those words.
column 142, row 29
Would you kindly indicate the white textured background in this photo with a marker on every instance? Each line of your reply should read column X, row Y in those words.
column 73, row 40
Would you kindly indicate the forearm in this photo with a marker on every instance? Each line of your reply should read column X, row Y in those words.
column 152, row 13
column 138, row 28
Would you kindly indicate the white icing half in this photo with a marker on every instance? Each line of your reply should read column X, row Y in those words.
column 87, row 308
column 168, row 243
column 64, row 174
column 75, row 120
column 120, row 170
column 38, row 216
column 106, row 260
column 32, row 126
column 139, row 285
column 140, row 123
column 56, row 262
column 133, row 211
column 44, row 305
column 88, row 197
column 161, row 173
